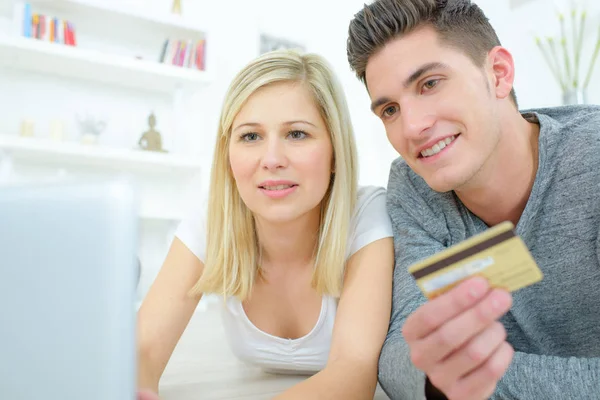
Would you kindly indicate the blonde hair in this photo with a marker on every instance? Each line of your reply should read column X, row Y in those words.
column 232, row 253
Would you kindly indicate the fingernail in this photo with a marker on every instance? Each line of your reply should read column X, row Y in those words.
column 478, row 287
column 499, row 301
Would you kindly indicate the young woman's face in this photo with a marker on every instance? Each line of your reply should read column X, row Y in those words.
column 280, row 153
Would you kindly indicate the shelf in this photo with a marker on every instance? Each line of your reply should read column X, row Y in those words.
column 73, row 62
column 64, row 154
column 109, row 10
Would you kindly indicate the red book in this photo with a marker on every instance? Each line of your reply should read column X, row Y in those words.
column 66, row 33
column 200, row 49
column 73, row 34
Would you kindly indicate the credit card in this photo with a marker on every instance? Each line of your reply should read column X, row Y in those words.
column 497, row 254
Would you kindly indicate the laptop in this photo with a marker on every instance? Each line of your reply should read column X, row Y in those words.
column 68, row 276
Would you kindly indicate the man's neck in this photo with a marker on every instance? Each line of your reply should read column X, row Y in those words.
column 292, row 243
column 503, row 186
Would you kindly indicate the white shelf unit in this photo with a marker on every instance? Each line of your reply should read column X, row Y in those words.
column 63, row 159
column 65, row 154
column 72, row 62
column 104, row 10
column 117, row 44
column 112, row 55
column 118, row 50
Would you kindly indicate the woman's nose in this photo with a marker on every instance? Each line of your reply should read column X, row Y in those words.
column 274, row 155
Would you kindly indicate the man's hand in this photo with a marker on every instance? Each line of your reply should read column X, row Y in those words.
column 458, row 342
column 145, row 394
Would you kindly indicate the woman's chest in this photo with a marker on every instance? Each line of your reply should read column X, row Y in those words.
column 284, row 308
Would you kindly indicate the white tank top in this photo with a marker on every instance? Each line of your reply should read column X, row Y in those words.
column 304, row 355
column 307, row 354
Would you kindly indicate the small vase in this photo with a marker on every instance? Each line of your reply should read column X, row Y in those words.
column 575, row 96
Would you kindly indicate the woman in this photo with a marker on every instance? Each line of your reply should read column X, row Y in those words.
column 302, row 256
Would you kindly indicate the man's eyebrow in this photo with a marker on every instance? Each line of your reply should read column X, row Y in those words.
column 412, row 78
column 422, row 71
column 380, row 101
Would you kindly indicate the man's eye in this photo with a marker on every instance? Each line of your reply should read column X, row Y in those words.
column 297, row 135
column 249, row 137
column 389, row 111
column 430, row 84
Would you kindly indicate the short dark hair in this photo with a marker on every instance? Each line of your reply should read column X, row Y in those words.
column 459, row 23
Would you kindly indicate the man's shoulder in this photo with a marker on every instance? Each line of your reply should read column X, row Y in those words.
column 569, row 136
column 560, row 112
column 404, row 183
column 570, row 118
column 401, row 175
column 409, row 191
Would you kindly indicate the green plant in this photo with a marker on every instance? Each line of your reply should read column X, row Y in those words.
column 563, row 54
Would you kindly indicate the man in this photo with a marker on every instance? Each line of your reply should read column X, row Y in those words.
column 442, row 85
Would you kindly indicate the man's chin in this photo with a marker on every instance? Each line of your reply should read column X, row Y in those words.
column 441, row 185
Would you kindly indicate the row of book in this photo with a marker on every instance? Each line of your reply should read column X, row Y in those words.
column 184, row 53
column 46, row 27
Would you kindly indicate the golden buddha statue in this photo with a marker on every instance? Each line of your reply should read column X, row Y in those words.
column 151, row 139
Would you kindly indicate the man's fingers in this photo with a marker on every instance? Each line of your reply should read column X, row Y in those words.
column 431, row 315
column 481, row 383
column 427, row 353
column 473, row 354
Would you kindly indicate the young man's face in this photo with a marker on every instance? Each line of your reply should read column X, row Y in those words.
column 439, row 109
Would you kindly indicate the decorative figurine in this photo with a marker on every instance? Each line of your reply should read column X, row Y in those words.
column 151, row 139
column 90, row 129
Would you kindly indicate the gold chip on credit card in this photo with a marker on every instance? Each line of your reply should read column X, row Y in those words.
column 497, row 254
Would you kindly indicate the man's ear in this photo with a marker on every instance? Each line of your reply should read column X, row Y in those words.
column 502, row 71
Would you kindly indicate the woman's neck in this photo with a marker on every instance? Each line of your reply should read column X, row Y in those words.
column 292, row 243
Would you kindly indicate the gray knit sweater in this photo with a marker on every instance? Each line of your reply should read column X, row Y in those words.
column 554, row 325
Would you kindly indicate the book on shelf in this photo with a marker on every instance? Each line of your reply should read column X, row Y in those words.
column 44, row 27
column 184, row 53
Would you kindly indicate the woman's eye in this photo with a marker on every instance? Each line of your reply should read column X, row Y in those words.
column 297, row 135
column 249, row 137
column 389, row 111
